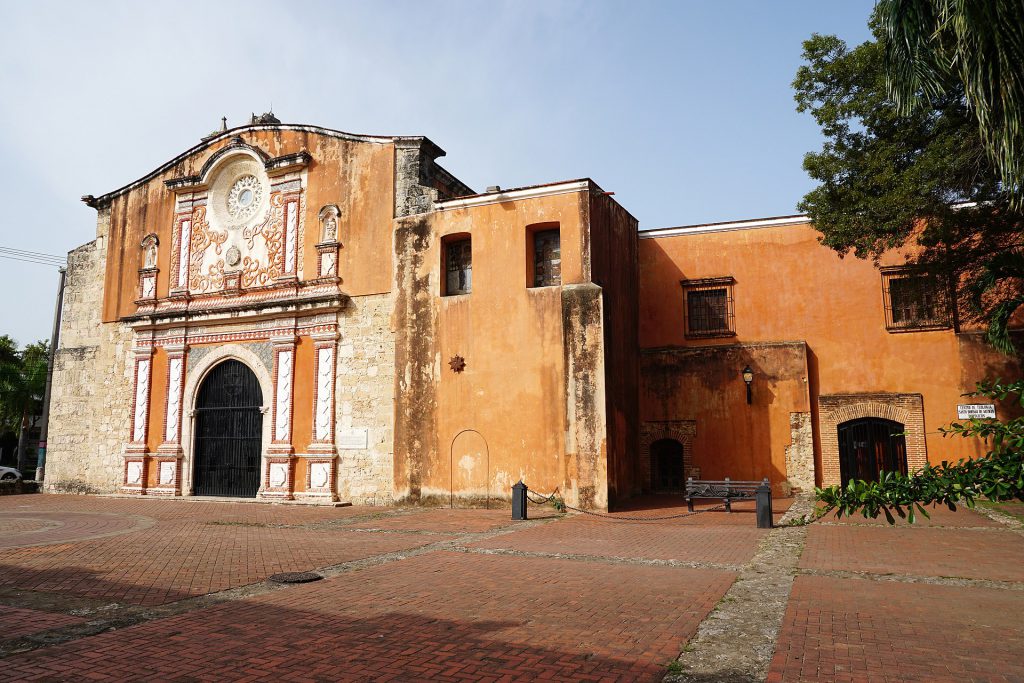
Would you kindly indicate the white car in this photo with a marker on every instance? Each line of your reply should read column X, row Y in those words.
column 9, row 474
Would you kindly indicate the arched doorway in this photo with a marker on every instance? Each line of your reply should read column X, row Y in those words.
column 228, row 432
column 667, row 458
column 871, row 445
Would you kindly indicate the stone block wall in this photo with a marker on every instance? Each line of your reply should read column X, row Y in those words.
column 800, row 453
column 92, row 384
column 365, row 399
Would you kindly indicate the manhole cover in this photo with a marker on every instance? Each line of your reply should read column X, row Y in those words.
column 295, row 577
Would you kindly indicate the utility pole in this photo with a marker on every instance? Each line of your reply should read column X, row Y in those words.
column 54, row 340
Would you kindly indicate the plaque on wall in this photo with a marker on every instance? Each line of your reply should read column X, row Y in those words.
column 352, row 439
column 975, row 411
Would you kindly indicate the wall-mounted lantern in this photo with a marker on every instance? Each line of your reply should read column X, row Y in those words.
column 748, row 377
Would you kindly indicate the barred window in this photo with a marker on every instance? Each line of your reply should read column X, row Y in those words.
column 547, row 258
column 915, row 300
column 708, row 305
column 458, row 265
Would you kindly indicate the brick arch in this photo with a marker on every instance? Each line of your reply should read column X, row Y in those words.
column 682, row 431
column 834, row 410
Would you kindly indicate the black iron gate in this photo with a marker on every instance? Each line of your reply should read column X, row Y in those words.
column 228, row 432
column 869, row 446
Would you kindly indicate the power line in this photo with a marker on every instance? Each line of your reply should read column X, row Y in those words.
column 25, row 252
column 37, row 257
column 53, row 264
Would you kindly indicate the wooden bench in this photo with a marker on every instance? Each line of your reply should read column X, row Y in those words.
column 725, row 490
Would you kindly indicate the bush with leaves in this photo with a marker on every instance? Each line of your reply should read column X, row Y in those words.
column 998, row 476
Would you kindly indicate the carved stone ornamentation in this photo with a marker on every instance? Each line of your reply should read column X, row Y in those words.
column 329, row 217
column 150, row 246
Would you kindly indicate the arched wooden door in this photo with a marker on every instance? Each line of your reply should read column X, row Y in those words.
column 871, row 445
column 228, row 432
column 667, row 460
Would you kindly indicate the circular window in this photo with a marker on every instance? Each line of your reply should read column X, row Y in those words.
column 244, row 197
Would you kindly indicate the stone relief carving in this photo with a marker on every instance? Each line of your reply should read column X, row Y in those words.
column 173, row 399
column 167, row 472
column 134, row 472
column 324, row 383
column 278, row 474
column 319, row 474
column 284, row 395
column 141, row 400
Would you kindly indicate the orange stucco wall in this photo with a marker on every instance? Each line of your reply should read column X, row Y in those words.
column 790, row 288
column 511, row 393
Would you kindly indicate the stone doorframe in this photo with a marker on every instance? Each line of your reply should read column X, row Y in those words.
column 835, row 409
column 682, row 431
column 196, row 375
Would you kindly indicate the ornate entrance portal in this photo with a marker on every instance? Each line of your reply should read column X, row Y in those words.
column 228, row 432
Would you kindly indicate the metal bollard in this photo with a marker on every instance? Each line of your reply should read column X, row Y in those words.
column 764, row 505
column 519, row 501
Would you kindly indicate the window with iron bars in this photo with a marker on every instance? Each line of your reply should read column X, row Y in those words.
column 915, row 300
column 708, row 307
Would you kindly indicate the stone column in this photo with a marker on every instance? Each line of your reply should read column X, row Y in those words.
column 322, row 467
column 136, row 459
column 170, row 455
column 279, row 475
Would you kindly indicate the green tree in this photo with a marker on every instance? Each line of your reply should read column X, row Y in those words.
column 978, row 46
column 22, row 382
column 890, row 177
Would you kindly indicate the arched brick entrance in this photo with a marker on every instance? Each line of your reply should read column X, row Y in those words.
column 906, row 409
column 682, row 431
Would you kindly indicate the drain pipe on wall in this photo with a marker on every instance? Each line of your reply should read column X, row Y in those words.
column 54, row 340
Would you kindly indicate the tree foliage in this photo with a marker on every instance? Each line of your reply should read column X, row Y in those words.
column 22, row 381
column 998, row 476
column 978, row 46
column 920, row 178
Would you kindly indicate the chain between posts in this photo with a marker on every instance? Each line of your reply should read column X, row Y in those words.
column 616, row 518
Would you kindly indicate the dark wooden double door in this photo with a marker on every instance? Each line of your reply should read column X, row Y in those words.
column 228, row 432
column 869, row 446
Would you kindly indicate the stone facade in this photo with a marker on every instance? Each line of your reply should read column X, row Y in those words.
column 365, row 400
column 800, row 453
column 91, row 401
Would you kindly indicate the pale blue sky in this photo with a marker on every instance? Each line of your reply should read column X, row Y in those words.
column 683, row 109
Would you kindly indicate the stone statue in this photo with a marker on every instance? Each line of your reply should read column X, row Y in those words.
column 149, row 246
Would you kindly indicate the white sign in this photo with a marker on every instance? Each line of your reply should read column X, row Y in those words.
column 975, row 411
column 353, row 439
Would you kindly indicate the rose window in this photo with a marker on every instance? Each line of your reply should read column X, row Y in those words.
column 244, row 198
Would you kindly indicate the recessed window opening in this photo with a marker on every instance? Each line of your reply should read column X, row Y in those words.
column 914, row 300
column 708, row 307
column 547, row 258
column 457, row 254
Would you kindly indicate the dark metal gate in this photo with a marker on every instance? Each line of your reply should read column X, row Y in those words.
column 869, row 446
column 228, row 432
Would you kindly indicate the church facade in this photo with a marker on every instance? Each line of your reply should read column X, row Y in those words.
column 289, row 312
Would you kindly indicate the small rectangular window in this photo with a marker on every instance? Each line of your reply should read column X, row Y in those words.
column 547, row 258
column 915, row 300
column 458, row 266
column 708, row 307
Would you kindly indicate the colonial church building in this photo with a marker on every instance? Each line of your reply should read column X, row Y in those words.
column 295, row 313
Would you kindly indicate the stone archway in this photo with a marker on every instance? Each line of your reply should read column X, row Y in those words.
column 196, row 374
column 836, row 409
column 682, row 431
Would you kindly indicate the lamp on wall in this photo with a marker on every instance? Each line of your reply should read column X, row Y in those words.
column 748, row 377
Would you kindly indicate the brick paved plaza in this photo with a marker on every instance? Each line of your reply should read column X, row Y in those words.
column 123, row 589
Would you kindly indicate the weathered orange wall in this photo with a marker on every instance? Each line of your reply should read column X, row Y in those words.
column 357, row 176
column 512, row 390
column 791, row 288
